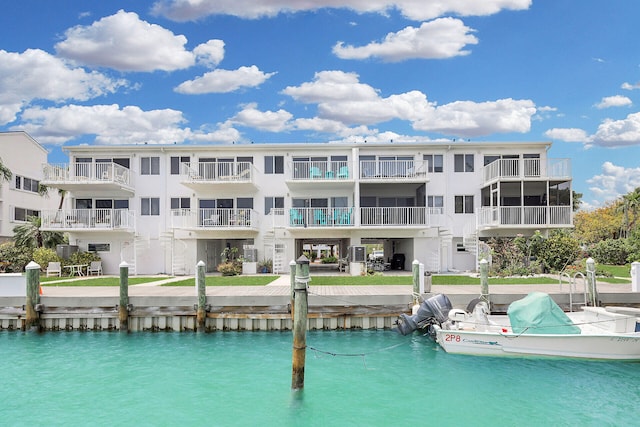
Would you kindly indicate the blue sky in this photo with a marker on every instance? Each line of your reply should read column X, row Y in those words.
column 198, row 71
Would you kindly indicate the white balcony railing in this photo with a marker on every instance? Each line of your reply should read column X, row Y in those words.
column 218, row 171
column 527, row 168
column 214, row 218
column 320, row 170
column 525, row 216
column 321, row 217
column 99, row 219
column 391, row 169
column 406, row 216
column 87, row 173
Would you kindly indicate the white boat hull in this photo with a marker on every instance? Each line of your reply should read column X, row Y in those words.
column 605, row 347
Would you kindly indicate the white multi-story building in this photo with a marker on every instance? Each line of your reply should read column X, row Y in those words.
column 19, row 197
column 163, row 208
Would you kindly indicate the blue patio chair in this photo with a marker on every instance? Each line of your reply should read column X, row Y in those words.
column 296, row 217
column 314, row 173
column 319, row 217
column 343, row 173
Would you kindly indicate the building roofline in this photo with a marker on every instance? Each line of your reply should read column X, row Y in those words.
column 26, row 135
column 298, row 145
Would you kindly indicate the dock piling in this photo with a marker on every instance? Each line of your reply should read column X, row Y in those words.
column 591, row 282
column 32, row 321
column 300, row 322
column 201, row 314
column 123, row 308
column 484, row 282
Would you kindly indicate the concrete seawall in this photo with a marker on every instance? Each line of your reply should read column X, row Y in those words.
column 167, row 308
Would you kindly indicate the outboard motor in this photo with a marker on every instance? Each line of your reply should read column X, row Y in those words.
column 433, row 311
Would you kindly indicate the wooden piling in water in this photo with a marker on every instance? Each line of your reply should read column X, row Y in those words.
column 123, row 308
column 32, row 320
column 301, row 307
column 201, row 314
column 484, row 281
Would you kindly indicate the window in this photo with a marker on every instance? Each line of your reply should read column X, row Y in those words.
column 27, row 184
column 435, row 163
column 244, row 202
column 273, row 164
column 176, row 163
column 273, row 203
column 435, row 201
column 150, row 165
column 464, row 204
column 180, row 203
column 21, row 214
column 150, row 206
column 463, row 162
column 99, row 247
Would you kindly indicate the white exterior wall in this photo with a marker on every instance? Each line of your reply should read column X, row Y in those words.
column 24, row 157
column 156, row 254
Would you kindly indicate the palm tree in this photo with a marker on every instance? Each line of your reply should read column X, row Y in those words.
column 629, row 206
column 5, row 172
column 30, row 235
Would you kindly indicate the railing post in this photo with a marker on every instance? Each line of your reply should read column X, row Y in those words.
column 591, row 280
column 201, row 314
column 300, row 323
column 123, row 308
column 32, row 320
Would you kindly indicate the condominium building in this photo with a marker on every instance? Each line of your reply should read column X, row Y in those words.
column 163, row 208
column 19, row 196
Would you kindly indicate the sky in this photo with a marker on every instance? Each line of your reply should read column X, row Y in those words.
column 268, row 71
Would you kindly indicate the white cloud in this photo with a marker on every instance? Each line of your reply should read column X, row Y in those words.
column 613, row 101
column 341, row 97
column 114, row 125
column 210, row 53
column 568, row 134
column 35, row 74
column 610, row 133
column 614, row 181
column 125, row 42
column 271, row 121
column 438, row 39
column 223, row 81
column 630, row 86
column 418, row 10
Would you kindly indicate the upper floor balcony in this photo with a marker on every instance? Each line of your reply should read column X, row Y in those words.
column 201, row 173
column 215, row 219
column 309, row 174
column 365, row 217
column 80, row 176
column 522, row 169
column 88, row 220
column 393, row 170
column 525, row 217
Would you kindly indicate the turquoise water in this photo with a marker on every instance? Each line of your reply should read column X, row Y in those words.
column 244, row 379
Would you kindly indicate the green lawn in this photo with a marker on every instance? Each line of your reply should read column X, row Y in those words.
column 616, row 270
column 100, row 281
column 228, row 281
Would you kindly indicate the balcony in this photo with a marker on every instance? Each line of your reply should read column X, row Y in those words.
column 88, row 176
column 88, row 219
column 324, row 174
column 321, row 217
column 214, row 219
column 525, row 217
column 393, row 170
column 394, row 217
column 522, row 169
column 207, row 173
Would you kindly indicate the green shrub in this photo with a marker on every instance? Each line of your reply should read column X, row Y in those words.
column 611, row 251
column 81, row 258
column 559, row 250
column 43, row 256
column 329, row 260
column 15, row 257
column 230, row 268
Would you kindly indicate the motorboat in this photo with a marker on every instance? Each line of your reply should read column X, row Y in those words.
column 533, row 326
